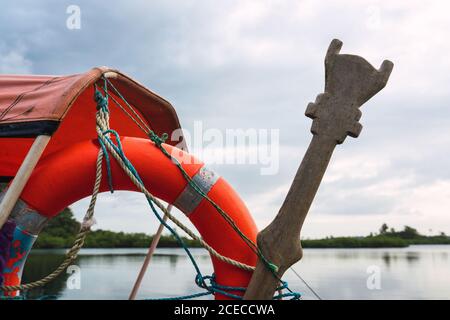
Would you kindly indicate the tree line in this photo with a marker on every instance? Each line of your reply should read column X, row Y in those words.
column 386, row 237
column 61, row 230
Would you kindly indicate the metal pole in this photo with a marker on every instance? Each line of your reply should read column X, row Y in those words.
column 22, row 176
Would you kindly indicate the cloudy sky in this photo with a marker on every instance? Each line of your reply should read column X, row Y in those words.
column 257, row 64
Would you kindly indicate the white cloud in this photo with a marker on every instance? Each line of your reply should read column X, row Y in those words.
column 14, row 61
column 425, row 208
column 355, row 167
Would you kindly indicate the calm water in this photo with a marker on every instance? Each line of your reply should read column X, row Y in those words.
column 417, row 272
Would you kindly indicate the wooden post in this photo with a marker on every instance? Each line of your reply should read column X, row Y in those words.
column 349, row 82
column 148, row 257
column 22, row 176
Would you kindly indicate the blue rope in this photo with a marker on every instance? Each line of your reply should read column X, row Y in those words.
column 108, row 165
column 24, row 296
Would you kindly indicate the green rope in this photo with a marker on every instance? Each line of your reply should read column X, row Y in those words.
column 24, row 296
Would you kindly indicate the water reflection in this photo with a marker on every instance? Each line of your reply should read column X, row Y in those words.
column 412, row 257
column 417, row 272
column 39, row 266
column 387, row 259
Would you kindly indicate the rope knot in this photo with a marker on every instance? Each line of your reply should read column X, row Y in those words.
column 102, row 101
column 272, row 267
column 200, row 281
column 157, row 139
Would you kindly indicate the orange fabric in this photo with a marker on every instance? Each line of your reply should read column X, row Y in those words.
column 68, row 175
column 69, row 100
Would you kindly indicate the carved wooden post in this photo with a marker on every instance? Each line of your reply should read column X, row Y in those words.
column 349, row 82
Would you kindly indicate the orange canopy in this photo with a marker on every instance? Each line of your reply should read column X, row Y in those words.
column 63, row 107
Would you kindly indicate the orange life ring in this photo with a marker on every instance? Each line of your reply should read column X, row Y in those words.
column 68, row 175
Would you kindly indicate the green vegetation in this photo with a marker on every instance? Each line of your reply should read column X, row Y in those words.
column 356, row 242
column 387, row 237
column 61, row 230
